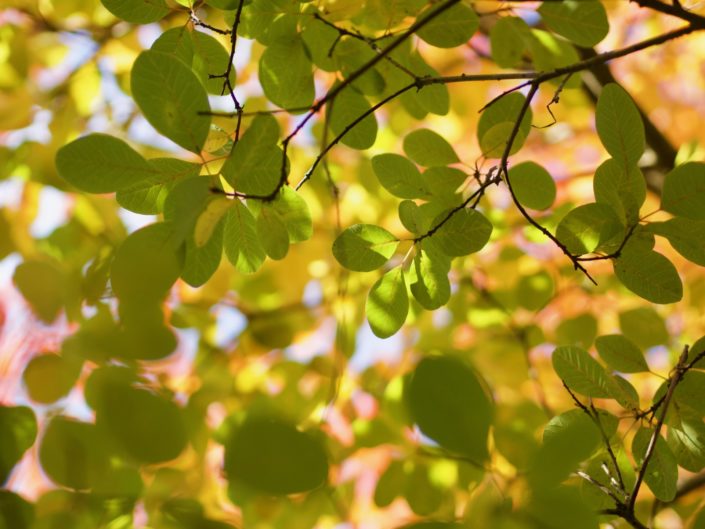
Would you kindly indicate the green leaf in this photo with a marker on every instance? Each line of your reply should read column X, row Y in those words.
column 687, row 236
column 272, row 233
column 662, row 471
column 399, row 176
column 210, row 218
column 444, row 183
column 549, row 53
column 452, row 28
column 387, row 303
column 690, row 393
column 242, row 244
column 285, row 74
column 583, row 22
column 295, row 214
column 390, row 484
column 146, row 265
column 18, row 430
column 620, row 353
column 344, row 110
column 621, row 187
column 148, row 427
column 275, row 457
column 184, row 204
column 466, row 231
column 137, row 11
column 580, row 330
column 581, row 372
column 509, row 38
column 147, row 197
column 624, row 393
column 199, row 51
column 15, row 511
column 619, row 125
column 255, row 163
column 201, row 262
column 364, row 247
column 535, row 291
column 644, row 327
column 589, row 228
column 429, row 148
column 686, row 439
column 650, row 275
column 497, row 122
column 684, row 191
column 49, row 377
column 72, row 453
column 533, row 185
column 42, row 285
column 171, row 97
column 98, row 163
column 451, row 406
column 432, row 287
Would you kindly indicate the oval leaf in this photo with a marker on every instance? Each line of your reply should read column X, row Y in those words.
column 620, row 353
column 581, row 372
column 137, row 11
column 497, row 122
column 399, row 176
column 619, row 125
column 466, row 231
column 171, row 97
column 649, row 275
column 364, row 247
column 98, row 163
column 533, row 185
column 450, row 405
column 387, row 303
column 662, row 471
column 583, row 22
column 429, row 148
column 274, row 457
column 684, row 191
column 451, row 28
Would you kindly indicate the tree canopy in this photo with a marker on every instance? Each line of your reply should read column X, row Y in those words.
column 335, row 264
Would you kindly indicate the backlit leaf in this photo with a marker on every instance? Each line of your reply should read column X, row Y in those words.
column 364, row 247
column 662, row 471
column 274, row 457
column 687, row 236
column 533, row 185
column 497, row 122
column 171, row 97
column 347, row 107
column 466, row 231
column 619, row 125
column 399, row 176
column 649, row 275
column 72, row 453
column 621, row 187
column 581, row 372
column 451, row 28
column 285, row 74
column 429, row 148
column 684, row 191
column 583, row 22
column 590, row 227
column 387, row 303
column 98, row 163
column 18, row 430
column 137, row 11
column 451, row 406
column 620, row 353
column 243, row 247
